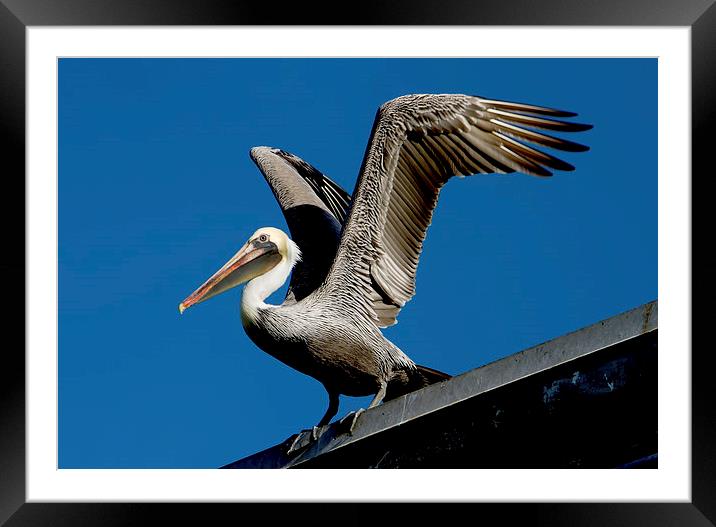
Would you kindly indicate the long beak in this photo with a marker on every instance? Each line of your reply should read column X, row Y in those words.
column 252, row 260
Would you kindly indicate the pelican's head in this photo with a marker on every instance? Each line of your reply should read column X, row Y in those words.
column 268, row 249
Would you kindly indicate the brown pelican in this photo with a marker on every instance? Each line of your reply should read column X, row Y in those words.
column 353, row 260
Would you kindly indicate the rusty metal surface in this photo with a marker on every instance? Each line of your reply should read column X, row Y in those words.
column 607, row 369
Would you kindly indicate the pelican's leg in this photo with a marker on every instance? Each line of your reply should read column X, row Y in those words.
column 380, row 395
column 333, row 401
column 353, row 416
column 375, row 402
column 302, row 441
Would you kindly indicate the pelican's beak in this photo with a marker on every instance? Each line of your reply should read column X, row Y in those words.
column 253, row 259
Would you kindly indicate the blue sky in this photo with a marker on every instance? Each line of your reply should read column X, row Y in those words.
column 157, row 191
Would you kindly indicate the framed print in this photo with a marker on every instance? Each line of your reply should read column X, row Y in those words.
column 134, row 88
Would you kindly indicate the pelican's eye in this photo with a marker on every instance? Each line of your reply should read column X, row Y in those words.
column 263, row 238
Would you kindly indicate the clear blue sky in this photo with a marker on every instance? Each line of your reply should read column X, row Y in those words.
column 156, row 191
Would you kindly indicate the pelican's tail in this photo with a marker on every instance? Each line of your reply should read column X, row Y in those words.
column 432, row 376
column 410, row 380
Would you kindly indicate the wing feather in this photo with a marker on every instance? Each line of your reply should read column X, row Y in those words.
column 315, row 208
column 417, row 144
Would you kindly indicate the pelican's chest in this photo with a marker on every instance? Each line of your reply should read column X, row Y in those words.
column 307, row 343
column 279, row 338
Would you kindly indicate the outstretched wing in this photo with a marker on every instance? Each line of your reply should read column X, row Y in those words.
column 418, row 142
column 315, row 209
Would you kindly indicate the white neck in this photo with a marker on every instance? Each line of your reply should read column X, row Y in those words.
column 260, row 288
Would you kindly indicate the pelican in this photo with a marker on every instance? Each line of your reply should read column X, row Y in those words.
column 353, row 259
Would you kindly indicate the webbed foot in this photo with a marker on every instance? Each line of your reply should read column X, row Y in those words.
column 350, row 420
column 305, row 438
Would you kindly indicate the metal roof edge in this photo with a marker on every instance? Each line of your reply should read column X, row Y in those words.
column 603, row 334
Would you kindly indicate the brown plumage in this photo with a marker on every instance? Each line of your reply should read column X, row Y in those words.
column 354, row 259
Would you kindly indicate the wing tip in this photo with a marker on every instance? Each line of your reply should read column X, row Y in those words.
column 576, row 147
column 563, row 113
column 257, row 152
column 526, row 108
column 580, row 127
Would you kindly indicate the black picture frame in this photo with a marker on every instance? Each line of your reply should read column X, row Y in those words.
column 17, row 15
